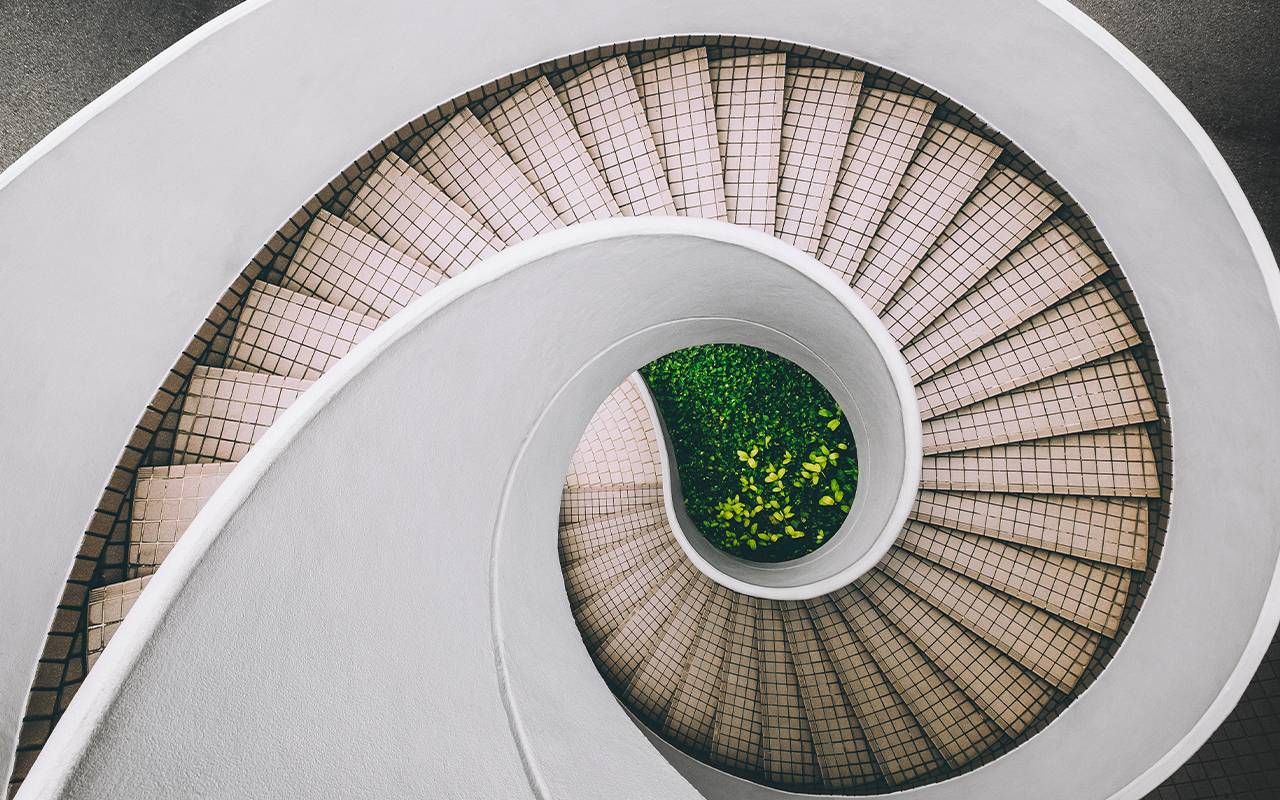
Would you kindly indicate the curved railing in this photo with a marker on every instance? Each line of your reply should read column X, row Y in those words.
column 140, row 275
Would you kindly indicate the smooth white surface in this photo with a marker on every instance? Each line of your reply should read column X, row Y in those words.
column 118, row 238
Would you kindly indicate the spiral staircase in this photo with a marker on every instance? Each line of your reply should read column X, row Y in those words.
column 1044, row 493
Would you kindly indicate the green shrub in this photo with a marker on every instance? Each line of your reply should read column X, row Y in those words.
column 766, row 460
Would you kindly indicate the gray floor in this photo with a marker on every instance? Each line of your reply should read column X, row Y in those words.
column 1221, row 58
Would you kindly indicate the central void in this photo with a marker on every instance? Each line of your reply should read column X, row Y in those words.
column 765, row 458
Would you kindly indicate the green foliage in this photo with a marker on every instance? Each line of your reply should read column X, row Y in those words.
column 766, row 460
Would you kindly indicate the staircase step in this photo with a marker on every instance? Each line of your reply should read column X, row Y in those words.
column 787, row 743
column 954, row 725
column 1006, row 693
column 736, row 738
column 1114, row 463
column 886, row 133
column 901, row 749
column 1104, row 394
column 292, row 335
column 691, row 716
column 748, row 93
column 1086, row 593
column 675, row 91
column 628, row 646
column 840, row 747
column 599, row 573
column 107, row 608
column 1088, row 326
column 1048, row 646
column 398, row 204
column 225, row 411
column 582, row 503
column 818, row 112
column 1110, row 531
column 1054, row 264
column 343, row 265
column 605, row 109
column 1004, row 210
column 604, row 612
column 540, row 138
column 588, row 537
column 477, row 174
column 654, row 684
column 941, row 177
column 165, row 501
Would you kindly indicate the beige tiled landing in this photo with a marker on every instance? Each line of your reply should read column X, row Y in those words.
column 540, row 138
column 675, row 91
column 748, row 92
column 605, row 109
column 477, row 174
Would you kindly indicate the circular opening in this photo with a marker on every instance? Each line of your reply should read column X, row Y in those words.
column 766, row 460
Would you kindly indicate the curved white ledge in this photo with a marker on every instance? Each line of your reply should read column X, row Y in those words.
column 192, row 126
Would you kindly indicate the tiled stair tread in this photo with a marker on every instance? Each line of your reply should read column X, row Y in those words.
column 398, row 204
column 165, row 501
column 1052, row 265
column 885, row 135
column 1118, row 462
column 1048, row 646
column 818, row 111
column 675, row 91
column 788, row 751
column 1005, row 209
column 537, row 133
column 352, row 269
column 943, row 174
column 1103, row 394
column 107, row 608
column 840, row 748
column 1084, row 592
column 605, row 109
column 588, row 537
column 224, row 411
column 598, row 573
column 736, row 737
column 293, row 335
column 1006, row 693
column 581, row 503
column 954, row 725
column 653, row 685
column 604, row 612
column 1085, row 327
column 1113, row 531
column 464, row 160
column 691, row 716
column 630, row 644
column 902, row 750
column 748, row 92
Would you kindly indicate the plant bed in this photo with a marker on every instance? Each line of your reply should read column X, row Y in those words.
column 765, row 457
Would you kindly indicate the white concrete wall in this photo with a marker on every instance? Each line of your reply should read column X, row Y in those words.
column 119, row 232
